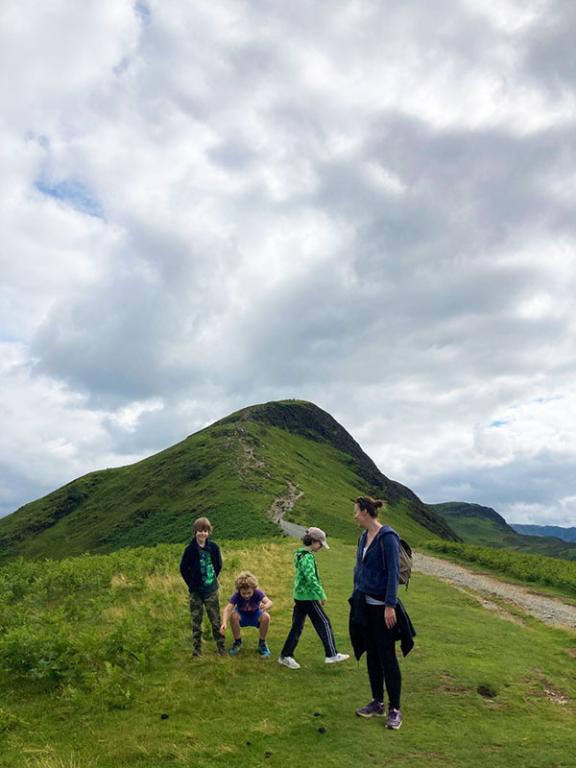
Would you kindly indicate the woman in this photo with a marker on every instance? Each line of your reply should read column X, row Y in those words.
column 375, row 609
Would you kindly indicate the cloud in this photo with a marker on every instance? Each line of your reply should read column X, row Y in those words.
column 206, row 206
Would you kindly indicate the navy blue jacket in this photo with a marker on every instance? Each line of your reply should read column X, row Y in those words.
column 378, row 573
column 190, row 564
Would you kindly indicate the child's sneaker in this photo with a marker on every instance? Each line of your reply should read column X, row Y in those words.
column 338, row 657
column 375, row 708
column 235, row 648
column 263, row 649
column 289, row 662
column 394, row 719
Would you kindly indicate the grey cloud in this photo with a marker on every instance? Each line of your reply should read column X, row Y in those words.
column 538, row 480
column 550, row 54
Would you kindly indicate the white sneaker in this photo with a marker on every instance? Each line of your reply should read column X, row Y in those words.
column 337, row 658
column 289, row 662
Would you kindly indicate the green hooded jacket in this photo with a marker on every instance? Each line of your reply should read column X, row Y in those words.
column 307, row 584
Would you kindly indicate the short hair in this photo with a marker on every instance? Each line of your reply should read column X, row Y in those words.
column 307, row 540
column 370, row 505
column 245, row 580
column 202, row 524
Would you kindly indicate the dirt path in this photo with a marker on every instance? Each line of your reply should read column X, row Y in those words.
column 283, row 504
column 548, row 609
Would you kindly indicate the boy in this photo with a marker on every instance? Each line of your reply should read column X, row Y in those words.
column 309, row 599
column 200, row 565
column 248, row 607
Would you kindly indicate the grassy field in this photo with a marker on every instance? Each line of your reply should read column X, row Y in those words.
column 97, row 672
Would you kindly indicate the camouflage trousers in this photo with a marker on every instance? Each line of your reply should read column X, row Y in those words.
column 197, row 603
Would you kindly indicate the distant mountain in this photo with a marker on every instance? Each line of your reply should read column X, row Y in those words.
column 477, row 524
column 287, row 457
column 566, row 534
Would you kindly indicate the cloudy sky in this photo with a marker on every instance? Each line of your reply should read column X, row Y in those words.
column 364, row 203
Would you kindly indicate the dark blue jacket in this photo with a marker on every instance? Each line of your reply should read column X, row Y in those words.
column 378, row 573
column 190, row 564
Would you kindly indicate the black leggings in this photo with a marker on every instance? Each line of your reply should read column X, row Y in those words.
column 383, row 664
column 320, row 622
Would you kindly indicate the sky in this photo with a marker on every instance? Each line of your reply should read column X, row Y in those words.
column 368, row 204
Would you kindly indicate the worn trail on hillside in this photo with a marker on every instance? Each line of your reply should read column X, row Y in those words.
column 283, row 504
column 548, row 609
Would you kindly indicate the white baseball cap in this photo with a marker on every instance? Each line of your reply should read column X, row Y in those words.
column 317, row 534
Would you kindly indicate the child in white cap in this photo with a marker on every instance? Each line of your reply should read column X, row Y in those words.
column 309, row 597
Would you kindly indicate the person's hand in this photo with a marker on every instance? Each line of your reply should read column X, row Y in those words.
column 390, row 616
column 322, row 602
column 223, row 628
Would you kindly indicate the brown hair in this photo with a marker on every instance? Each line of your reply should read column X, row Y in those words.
column 245, row 580
column 370, row 505
column 202, row 524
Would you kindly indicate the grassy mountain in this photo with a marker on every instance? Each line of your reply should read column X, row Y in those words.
column 288, row 454
column 557, row 531
column 96, row 672
column 477, row 524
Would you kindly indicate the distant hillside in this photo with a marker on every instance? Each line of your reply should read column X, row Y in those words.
column 566, row 534
column 287, row 455
column 477, row 524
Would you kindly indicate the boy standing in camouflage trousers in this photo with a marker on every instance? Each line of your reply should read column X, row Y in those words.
column 200, row 565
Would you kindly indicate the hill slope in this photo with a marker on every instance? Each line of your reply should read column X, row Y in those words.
column 477, row 524
column 556, row 531
column 288, row 453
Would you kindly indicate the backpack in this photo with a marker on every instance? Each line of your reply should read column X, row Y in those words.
column 405, row 561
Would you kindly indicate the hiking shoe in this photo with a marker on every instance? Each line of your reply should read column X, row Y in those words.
column 394, row 719
column 374, row 709
column 337, row 658
column 235, row 648
column 263, row 650
column 289, row 662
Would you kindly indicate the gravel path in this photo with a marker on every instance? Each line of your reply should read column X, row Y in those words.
column 547, row 609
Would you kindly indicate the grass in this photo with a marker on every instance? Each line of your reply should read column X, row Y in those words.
column 476, row 687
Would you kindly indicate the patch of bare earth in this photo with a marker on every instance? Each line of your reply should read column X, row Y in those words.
column 546, row 609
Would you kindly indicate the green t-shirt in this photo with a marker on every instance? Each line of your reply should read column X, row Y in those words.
column 209, row 583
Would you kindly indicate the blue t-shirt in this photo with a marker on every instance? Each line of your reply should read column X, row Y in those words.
column 247, row 605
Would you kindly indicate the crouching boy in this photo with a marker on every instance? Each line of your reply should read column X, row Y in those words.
column 247, row 607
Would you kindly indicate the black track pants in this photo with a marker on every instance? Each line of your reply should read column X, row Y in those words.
column 381, row 657
column 320, row 622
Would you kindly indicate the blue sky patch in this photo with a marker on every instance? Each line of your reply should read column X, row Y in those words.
column 143, row 11
column 72, row 193
column 497, row 423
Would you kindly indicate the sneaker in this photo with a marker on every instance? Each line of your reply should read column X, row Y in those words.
column 263, row 650
column 289, row 662
column 196, row 653
column 235, row 648
column 375, row 708
column 394, row 719
column 337, row 658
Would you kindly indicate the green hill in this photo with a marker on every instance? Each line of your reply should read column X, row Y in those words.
column 96, row 671
column 288, row 454
column 556, row 531
column 476, row 524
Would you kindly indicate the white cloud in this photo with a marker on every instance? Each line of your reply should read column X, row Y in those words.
column 205, row 206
